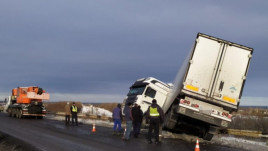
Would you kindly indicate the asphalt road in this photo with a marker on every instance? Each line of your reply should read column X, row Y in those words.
column 51, row 135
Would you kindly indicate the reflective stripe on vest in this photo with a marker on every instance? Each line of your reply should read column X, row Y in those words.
column 74, row 108
column 153, row 111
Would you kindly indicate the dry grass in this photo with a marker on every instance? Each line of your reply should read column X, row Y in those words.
column 260, row 112
column 250, row 123
column 59, row 106
column 254, row 119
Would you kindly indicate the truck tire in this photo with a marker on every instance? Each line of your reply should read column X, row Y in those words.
column 170, row 119
column 208, row 136
column 143, row 123
column 13, row 112
column 19, row 115
column 9, row 112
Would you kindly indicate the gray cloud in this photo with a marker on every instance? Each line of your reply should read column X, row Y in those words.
column 104, row 46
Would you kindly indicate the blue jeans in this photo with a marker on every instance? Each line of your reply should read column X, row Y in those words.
column 128, row 129
column 117, row 123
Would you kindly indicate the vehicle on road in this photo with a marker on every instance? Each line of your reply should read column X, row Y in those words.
column 206, row 90
column 27, row 101
column 2, row 107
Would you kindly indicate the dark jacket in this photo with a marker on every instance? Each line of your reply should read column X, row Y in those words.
column 137, row 114
column 160, row 111
column 128, row 114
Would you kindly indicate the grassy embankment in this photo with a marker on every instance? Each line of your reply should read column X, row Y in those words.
column 249, row 118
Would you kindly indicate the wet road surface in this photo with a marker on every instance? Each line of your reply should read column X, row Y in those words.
column 51, row 135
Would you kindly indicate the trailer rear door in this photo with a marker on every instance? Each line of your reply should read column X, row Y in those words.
column 217, row 70
column 203, row 63
column 231, row 74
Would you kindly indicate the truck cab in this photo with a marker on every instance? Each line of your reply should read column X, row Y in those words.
column 144, row 90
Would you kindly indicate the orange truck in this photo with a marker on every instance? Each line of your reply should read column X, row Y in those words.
column 27, row 101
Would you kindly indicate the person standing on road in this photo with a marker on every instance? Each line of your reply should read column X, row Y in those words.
column 74, row 114
column 137, row 119
column 129, row 119
column 67, row 113
column 155, row 117
column 117, row 117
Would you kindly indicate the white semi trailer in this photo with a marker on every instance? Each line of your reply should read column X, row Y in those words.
column 206, row 90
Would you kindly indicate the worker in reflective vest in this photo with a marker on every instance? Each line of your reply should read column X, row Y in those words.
column 74, row 114
column 154, row 117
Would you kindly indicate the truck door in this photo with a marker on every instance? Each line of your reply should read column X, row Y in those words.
column 201, row 70
column 148, row 96
column 231, row 74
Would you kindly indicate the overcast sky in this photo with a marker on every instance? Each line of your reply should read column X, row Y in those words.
column 93, row 50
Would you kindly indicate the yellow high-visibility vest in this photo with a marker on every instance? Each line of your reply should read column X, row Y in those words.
column 74, row 108
column 153, row 111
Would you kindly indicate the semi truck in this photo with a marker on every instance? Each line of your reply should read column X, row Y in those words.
column 205, row 92
column 27, row 101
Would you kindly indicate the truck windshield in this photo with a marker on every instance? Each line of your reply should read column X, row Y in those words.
column 136, row 90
